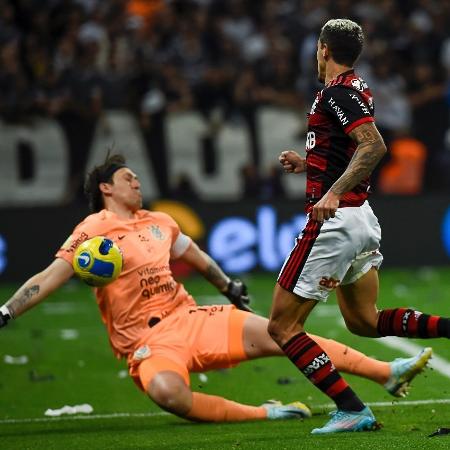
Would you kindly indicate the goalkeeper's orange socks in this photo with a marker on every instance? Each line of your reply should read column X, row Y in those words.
column 409, row 323
column 211, row 408
column 316, row 365
column 347, row 359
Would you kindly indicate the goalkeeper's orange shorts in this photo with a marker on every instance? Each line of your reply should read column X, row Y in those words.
column 194, row 339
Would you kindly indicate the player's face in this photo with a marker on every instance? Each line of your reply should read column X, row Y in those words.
column 126, row 189
column 321, row 64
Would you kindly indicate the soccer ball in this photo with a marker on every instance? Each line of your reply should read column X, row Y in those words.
column 97, row 261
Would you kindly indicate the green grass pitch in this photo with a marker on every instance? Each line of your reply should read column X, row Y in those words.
column 70, row 362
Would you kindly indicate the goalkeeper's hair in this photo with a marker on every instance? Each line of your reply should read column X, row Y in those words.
column 102, row 173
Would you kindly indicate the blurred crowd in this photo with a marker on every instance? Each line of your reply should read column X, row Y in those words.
column 74, row 59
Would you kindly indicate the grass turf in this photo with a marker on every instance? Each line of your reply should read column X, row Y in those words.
column 70, row 362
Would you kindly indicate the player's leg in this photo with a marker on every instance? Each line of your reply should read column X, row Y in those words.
column 200, row 341
column 357, row 302
column 258, row 344
column 395, row 376
column 167, row 384
column 288, row 316
column 358, row 294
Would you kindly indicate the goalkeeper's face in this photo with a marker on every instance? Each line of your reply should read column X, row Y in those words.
column 126, row 189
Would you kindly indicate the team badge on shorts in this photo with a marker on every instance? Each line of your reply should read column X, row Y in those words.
column 142, row 353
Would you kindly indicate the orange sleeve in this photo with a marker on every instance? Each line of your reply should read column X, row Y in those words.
column 82, row 232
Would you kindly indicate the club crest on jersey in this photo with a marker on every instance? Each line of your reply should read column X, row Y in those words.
column 157, row 233
column 359, row 84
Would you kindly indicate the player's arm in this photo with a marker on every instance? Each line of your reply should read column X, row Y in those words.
column 234, row 290
column 36, row 289
column 370, row 149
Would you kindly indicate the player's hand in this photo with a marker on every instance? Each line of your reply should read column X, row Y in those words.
column 237, row 293
column 326, row 207
column 292, row 162
column 4, row 317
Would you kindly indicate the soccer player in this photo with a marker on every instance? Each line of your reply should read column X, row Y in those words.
column 156, row 325
column 339, row 246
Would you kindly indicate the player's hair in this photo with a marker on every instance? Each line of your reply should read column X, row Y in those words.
column 344, row 39
column 101, row 174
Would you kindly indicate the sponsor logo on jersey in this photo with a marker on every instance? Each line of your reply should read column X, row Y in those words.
column 339, row 113
column 152, row 270
column 73, row 245
column 310, row 140
column 358, row 100
column 314, row 105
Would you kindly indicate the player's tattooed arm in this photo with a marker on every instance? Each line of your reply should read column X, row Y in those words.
column 21, row 298
column 369, row 152
column 38, row 287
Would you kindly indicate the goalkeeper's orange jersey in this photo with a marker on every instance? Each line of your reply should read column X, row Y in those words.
column 146, row 287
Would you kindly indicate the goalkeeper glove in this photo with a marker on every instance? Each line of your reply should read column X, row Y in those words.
column 236, row 292
column 5, row 315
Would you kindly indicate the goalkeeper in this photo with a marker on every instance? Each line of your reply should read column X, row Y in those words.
column 155, row 324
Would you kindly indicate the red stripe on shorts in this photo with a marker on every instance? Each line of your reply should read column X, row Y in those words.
column 299, row 255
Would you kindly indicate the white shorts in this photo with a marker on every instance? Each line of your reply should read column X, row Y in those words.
column 333, row 253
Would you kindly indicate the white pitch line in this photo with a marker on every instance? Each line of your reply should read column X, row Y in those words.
column 87, row 417
column 439, row 364
column 393, row 403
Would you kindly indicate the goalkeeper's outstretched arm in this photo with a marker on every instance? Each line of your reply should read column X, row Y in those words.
column 36, row 289
column 234, row 290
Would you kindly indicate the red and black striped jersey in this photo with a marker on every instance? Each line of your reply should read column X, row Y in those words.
column 341, row 106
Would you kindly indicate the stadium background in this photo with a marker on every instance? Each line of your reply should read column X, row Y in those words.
column 201, row 95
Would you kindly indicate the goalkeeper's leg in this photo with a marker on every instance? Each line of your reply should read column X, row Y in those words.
column 258, row 343
column 167, row 384
column 169, row 390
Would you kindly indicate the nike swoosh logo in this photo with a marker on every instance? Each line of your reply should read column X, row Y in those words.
column 121, row 237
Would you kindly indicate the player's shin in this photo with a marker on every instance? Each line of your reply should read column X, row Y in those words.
column 316, row 365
